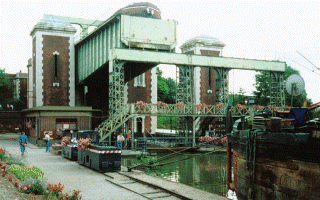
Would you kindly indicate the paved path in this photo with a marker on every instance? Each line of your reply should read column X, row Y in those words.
column 97, row 186
column 93, row 185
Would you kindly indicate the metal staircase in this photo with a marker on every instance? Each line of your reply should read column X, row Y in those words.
column 113, row 123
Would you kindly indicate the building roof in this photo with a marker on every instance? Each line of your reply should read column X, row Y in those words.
column 205, row 40
column 141, row 9
column 52, row 23
column 61, row 109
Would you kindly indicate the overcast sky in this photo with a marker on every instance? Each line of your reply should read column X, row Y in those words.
column 268, row 30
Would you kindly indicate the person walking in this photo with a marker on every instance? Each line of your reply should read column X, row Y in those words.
column 47, row 140
column 113, row 139
column 129, row 138
column 23, row 139
column 120, row 140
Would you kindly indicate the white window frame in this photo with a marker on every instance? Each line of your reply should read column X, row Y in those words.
column 140, row 81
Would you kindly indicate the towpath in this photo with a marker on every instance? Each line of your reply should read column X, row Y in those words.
column 97, row 186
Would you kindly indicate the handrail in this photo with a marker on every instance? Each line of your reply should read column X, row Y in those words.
column 130, row 110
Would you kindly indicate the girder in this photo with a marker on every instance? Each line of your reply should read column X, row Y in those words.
column 277, row 95
column 116, row 88
column 222, row 85
column 185, row 84
column 185, row 94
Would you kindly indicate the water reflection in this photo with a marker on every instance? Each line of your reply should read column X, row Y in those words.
column 206, row 172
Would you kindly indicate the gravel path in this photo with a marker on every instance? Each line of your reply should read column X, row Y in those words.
column 93, row 185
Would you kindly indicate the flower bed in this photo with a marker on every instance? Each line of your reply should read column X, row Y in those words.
column 213, row 140
column 30, row 180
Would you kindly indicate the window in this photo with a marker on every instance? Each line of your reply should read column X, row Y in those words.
column 139, row 81
column 55, row 82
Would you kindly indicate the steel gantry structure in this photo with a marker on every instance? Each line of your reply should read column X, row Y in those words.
column 127, row 41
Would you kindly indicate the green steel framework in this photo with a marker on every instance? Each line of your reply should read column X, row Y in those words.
column 116, row 88
column 222, row 83
column 277, row 97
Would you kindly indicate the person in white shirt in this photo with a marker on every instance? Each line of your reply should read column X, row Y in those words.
column 47, row 139
column 120, row 140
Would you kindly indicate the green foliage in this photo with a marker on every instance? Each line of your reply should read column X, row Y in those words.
column 314, row 113
column 5, row 84
column 239, row 98
column 250, row 121
column 24, row 172
column 166, row 89
column 145, row 159
column 37, row 188
column 166, row 122
column 262, row 92
column 3, row 156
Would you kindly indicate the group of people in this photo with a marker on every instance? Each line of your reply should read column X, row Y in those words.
column 116, row 140
column 119, row 140
column 7, row 108
column 23, row 140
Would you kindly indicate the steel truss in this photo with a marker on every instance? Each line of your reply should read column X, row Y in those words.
column 222, row 85
column 277, row 95
column 116, row 88
column 185, row 94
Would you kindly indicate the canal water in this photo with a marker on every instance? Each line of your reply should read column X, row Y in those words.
column 203, row 171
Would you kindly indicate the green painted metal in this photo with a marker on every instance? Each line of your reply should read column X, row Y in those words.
column 185, row 94
column 222, row 83
column 111, row 44
column 116, row 88
column 277, row 95
column 185, row 85
column 146, row 56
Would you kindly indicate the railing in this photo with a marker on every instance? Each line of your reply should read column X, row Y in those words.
column 113, row 122
column 164, row 142
column 130, row 110
column 186, row 110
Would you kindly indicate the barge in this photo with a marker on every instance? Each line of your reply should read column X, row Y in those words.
column 276, row 159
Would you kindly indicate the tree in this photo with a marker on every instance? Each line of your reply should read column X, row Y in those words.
column 262, row 93
column 239, row 98
column 166, row 89
column 5, row 84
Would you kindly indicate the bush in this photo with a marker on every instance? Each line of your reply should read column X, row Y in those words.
column 37, row 188
column 145, row 159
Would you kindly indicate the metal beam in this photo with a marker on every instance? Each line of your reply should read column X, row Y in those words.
column 143, row 56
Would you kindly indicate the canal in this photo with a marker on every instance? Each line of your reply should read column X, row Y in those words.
column 203, row 171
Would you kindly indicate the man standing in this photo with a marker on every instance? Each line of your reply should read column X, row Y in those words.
column 23, row 139
column 129, row 138
column 120, row 140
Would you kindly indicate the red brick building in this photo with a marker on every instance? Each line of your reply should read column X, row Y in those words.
column 51, row 81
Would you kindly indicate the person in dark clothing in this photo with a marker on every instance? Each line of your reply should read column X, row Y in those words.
column 113, row 139
column 23, row 139
column 129, row 138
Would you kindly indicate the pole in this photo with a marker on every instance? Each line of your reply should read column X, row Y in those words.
column 193, row 132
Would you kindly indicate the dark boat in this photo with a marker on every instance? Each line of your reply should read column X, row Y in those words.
column 279, row 158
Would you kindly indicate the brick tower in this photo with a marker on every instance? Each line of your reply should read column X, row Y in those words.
column 204, row 78
column 52, row 76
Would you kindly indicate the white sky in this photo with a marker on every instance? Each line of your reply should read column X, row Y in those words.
column 270, row 30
